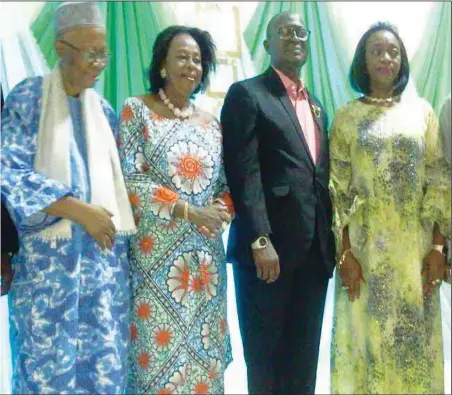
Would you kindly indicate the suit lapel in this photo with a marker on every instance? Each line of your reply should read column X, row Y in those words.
column 278, row 89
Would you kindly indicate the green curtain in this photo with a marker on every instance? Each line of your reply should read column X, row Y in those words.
column 131, row 31
column 326, row 71
column 132, row 28
column 431, row 63
column 42, row 29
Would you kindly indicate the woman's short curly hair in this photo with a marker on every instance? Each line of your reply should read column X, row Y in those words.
column 160, row 52
column 359, row 79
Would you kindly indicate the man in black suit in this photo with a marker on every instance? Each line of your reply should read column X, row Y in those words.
column 9, row 241
column 277, row 166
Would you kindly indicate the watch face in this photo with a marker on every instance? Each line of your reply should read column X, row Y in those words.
column 262, row 241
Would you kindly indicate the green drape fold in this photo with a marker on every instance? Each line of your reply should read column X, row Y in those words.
column 431, row 63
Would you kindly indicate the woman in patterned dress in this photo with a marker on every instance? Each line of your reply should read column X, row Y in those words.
column 392, row 206
column 172, row 161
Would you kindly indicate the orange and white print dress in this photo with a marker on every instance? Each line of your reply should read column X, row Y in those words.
column 179, row 334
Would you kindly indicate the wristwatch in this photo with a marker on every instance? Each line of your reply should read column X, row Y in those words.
column 441, row 248
column 260, row 243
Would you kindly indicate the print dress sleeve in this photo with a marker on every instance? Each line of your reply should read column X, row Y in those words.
column 143, row 190
column 346, row 201
column 436, row 204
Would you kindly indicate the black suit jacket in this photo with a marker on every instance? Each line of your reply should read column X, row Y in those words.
column 275, row 186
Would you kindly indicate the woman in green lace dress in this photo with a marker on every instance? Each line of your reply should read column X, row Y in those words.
column 392, row 206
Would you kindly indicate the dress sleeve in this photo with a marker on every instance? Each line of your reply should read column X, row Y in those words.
column 145, row 191
column 221, row 190
column 346, row 201
column 111, row 118
column 436, row 204
column 25, row 192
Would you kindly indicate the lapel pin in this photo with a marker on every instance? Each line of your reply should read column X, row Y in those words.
column 316, row 110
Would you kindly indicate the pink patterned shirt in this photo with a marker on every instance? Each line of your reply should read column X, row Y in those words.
column 298, row 97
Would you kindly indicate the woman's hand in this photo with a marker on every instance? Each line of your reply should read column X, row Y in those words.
column 434, row 267
column 351, row 275
column 209, row 220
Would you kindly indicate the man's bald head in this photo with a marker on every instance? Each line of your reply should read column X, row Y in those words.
column 274, row 23
column 287, row 42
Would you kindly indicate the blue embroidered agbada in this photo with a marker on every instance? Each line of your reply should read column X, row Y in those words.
column 69, row 300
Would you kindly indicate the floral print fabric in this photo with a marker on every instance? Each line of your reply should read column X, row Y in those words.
column 389, row 185
column 179, row 334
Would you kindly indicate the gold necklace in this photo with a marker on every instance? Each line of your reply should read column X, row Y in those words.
column 387, row 100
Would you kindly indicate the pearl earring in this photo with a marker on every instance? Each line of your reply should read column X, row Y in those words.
column 163, row 73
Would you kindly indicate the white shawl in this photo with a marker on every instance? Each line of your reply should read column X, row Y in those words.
column 53, row 158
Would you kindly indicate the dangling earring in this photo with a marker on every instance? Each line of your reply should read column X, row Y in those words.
column 163, row 73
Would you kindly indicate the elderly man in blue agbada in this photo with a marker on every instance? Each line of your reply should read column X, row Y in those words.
column 63, row 186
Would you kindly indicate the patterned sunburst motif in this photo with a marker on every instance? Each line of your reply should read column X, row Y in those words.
column 208, row 274
column 163, row 337
column 201, row 386
column 167, row 390
column 133, row 333
column 223, row 327
column 193, row 273
column 146, row 244
column 215, row 369
column 144, row 360
column 137, row 202
column 213, row 330
column 127, row 115
column 144, row 310
column 179, row 279
column 190, row 167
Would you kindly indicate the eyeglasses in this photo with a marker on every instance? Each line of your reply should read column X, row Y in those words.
column 91, row 57
column 286, row 33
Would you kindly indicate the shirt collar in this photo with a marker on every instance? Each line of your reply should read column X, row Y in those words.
column 294, row 89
